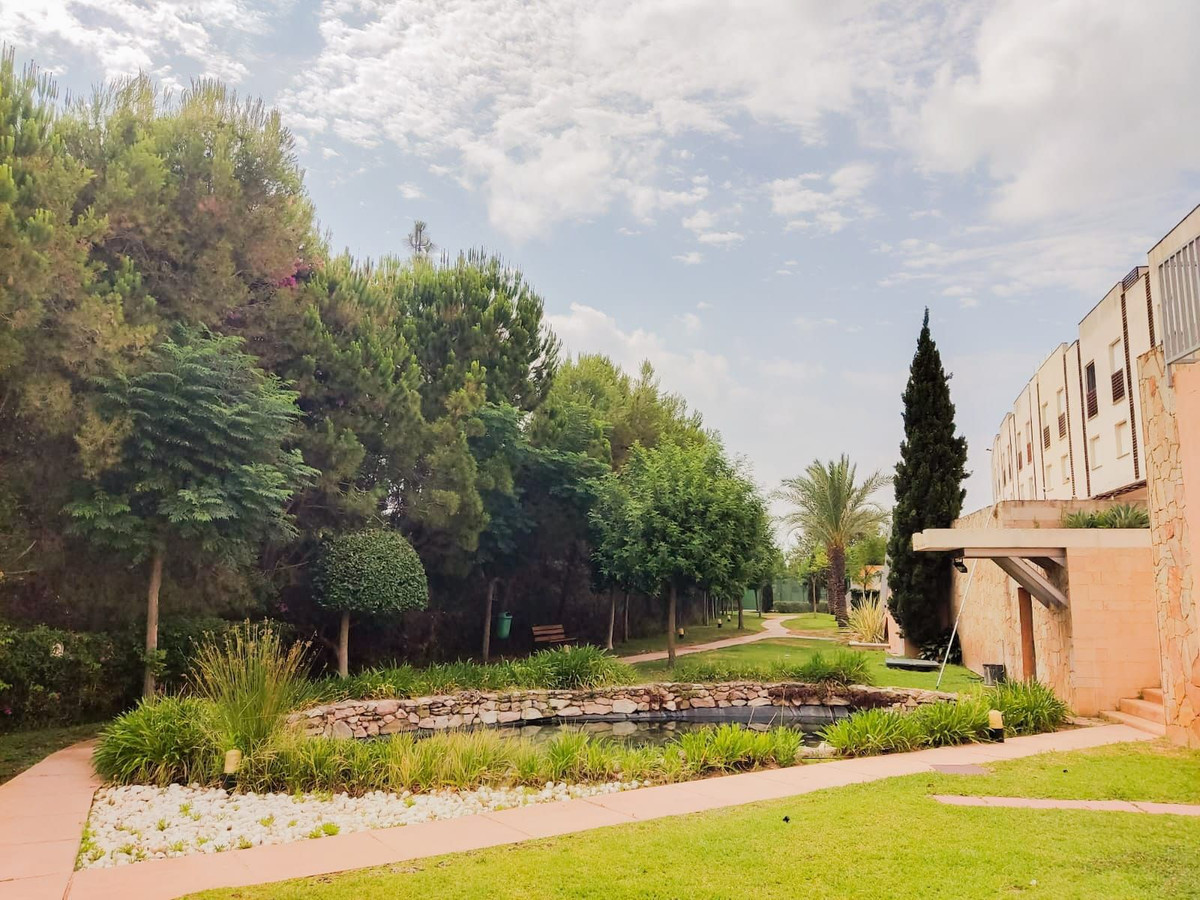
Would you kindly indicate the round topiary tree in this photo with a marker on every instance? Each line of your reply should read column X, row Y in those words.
column 374, row 571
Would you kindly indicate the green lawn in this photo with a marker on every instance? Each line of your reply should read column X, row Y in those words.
column 793, row 650
column 812, row 622
column 21, row 749
column 886, row 839
column 694, row 634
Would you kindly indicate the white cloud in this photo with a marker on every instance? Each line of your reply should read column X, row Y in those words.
column 807, row 324
column 690, row 321
column 125, row 37
column 560, row 111
column 787, row 272
column 792, row 369
column 828, row 208
column 704, row 304
column 691, row 258
column 721, row 238
column 329, row 153
column 1066, row 104
column 410, row 191
column 700, row 220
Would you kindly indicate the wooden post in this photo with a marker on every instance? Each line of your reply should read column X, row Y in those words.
column 156, row 570
column 344, row 645
column 671, row 625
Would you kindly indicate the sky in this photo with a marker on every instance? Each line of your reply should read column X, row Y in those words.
column 759, row 197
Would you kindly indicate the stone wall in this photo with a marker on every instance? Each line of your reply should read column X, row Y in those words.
column 1170, row 417
column 368, row 718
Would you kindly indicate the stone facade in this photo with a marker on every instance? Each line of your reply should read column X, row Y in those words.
column 369, row 718
column 1171, row 414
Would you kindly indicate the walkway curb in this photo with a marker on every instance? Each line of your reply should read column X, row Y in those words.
column 42, row 818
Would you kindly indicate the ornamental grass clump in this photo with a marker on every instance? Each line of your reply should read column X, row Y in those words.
column 1029, row 707
column 843, row 667
column 252, row 681
column 571, row 668
column 873, row 731
column 868, row 619
column 160, row 741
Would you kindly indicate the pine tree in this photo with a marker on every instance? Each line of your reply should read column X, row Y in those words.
column 929, row 494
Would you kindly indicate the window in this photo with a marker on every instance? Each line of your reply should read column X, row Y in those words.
column 1094, row 451
column 1061, row 407
column 1121, row 433
column 1065, row 465
column 1089, row 388
column 1116, row 365
column 1045, row 427
column 1049, row 475
column 1020, row 458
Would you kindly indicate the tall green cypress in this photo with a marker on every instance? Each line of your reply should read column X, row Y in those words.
column 929, row 494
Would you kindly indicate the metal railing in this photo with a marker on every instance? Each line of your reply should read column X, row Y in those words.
column 1179, row 285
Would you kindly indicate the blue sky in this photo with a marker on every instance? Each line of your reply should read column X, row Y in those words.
column 759, row 197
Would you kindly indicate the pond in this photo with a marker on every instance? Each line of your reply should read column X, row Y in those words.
column 660, row 728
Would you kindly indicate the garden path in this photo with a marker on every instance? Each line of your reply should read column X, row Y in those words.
column 43, row 810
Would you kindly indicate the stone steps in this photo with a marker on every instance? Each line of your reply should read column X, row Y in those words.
column 1114, row 715
column 1154, row 695
column 1144, row 712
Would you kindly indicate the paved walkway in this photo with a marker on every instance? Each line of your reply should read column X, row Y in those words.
column 772, row 628
column 42, row 813
column 1156, row 809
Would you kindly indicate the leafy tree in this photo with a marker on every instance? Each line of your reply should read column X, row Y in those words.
column 863, row 559
column 687, row 522
column 834, row 509
column 194, row 460
column 929, row 494
column 376, row 572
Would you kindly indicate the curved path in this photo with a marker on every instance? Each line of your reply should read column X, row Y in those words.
column 772, row 628
column 43, row 810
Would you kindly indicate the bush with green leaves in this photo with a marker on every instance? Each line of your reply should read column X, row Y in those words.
column 161, row 741
column 1123, row 515
column 373, row 572
column 1029, row 707
column 569, row 668
column 842, row 667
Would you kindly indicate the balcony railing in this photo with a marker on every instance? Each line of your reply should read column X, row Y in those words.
column 1062, row 425
column 1179, row 284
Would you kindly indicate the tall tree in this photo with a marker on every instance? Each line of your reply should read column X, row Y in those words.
column 834, row 509
column 929, row 494
column 189, row 456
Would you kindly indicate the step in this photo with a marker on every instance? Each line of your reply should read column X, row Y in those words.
column 1154, row 695
column 1144, row 708
column 1134, row 722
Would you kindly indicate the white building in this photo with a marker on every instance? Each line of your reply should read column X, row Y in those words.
column 1074, row 429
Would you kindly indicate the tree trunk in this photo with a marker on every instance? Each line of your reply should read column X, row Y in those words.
column 625, row 627
column 758, row 602
column 707, row 608
column 487, row 620
column 344, row 645
column 741, row 623
column 671, row 625
column 156, row 570
column 812, row 584
column 837, row 584
column 612, row 616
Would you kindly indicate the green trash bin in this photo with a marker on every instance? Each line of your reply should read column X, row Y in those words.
column 503, row 626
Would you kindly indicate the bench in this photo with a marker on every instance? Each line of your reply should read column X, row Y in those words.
column 550, row 634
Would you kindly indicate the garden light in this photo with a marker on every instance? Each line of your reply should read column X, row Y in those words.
column 996, row 725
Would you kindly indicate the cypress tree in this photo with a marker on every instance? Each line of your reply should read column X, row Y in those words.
column 929, row 494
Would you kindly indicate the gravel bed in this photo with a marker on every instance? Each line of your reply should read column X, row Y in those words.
column 131, row 824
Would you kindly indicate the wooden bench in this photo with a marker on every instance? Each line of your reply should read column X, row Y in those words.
column 550, row 634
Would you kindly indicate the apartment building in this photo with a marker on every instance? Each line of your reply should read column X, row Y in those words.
column 1074, row 430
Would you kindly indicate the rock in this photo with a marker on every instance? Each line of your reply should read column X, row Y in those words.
column 760, row 701
column 387, row 707
column 395, row 726
column 531, row 713
column 569, row 711
column 488, row 717
column 509, row 715
column 624, row 707
column 342, row 730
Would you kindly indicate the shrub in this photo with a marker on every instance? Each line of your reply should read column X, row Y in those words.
column 566, row 668
column 51, row 676
column 1029, row 707
column 160, row 741
column 1123, row 515
column 799, row 606
column 868, row 620
column 253, row 682
column 872, row 731
column 843, row 667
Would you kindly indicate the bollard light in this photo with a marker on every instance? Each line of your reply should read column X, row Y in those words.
column 680, row 632
column 233, row 762
column 996, row 725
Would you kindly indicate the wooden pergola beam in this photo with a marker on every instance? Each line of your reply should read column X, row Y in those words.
column 1039, row 587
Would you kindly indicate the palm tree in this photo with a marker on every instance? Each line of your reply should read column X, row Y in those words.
column 833, row 509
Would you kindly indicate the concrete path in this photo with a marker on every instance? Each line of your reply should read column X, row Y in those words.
column 772, row 628
column 42, row 814
column 1157, row 809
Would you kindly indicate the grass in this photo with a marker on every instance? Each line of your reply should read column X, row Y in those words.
column 892, row 841
column 819, row 622
column 791, row 651
column 695, row 634
column 21, row 749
